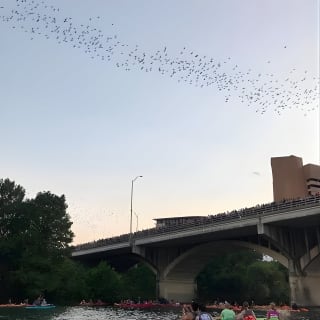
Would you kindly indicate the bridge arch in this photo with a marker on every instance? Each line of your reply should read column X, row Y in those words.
column 178, row 279
column 137, row 257
column 310, row 261
column 197, row 257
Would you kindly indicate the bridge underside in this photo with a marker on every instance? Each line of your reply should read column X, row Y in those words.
column 178, row 280
column 119, row 262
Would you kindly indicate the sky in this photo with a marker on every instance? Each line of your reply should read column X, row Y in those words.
column 194, row 96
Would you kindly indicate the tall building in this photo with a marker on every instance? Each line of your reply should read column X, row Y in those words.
column 292, row 179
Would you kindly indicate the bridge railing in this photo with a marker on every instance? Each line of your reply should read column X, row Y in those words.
column 245, row 213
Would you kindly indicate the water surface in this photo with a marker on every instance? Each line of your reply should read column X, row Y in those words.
column 109, row 313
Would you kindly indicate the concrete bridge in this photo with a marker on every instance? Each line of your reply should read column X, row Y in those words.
column 289, row 232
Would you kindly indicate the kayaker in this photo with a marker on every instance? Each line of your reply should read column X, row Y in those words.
column 227, row 313
column 246, row 313
column 273, row 313
column 200, row 311
column 37, row 302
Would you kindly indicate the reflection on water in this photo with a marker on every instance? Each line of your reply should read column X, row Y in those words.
column 114, row 314
column 86, row 313
column 108, row 313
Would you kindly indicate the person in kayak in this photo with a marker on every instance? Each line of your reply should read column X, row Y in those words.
column 227, row 313
column 273, row 313
column 246, row 313
column 200, row 311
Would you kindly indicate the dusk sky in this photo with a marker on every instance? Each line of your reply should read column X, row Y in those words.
column 195, row 96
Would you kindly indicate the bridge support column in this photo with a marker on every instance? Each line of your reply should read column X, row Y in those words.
column 178, row 290
column 304, row 289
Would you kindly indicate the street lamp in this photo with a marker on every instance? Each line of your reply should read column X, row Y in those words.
column 131, row 202
column 137, row 217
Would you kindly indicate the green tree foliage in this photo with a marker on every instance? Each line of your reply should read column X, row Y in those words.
column 35, row 235
column 11, row 199
column 268, row 281
column 49, row 224
column 139, row 282
column 103, row 283
column 243, row 275
column 224, row 276
column 71, row 284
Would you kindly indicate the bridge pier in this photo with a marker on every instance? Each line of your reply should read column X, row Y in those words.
column 304, row 288
column 177, row 290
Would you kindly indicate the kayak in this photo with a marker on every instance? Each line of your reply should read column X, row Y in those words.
column 47, row 306
column 11, row 305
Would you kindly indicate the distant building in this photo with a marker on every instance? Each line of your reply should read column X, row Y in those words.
column 164, row 222
column 292, row 179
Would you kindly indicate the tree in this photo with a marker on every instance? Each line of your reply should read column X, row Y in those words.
column 241, row 276
column 71, row 284
column 139, row 281
column 34, row 240
column 11, row 199
column 44, row 239
column 49, row 224
column 103, row 283
column 268, row 281
column 225, row 276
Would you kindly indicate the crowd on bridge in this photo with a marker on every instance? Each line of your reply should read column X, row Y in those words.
column 260, row 209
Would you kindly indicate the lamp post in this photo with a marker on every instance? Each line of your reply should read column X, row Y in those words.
column 131, row 203
column 137, row 217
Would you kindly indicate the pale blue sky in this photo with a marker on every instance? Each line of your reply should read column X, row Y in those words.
column 76, row 124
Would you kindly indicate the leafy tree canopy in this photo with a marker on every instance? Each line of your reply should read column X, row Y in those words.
column 34, row 237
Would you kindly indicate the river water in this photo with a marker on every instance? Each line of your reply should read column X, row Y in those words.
column 109, row 313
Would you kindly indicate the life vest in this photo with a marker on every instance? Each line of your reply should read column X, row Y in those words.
column 248, row 315
column 273, row 315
